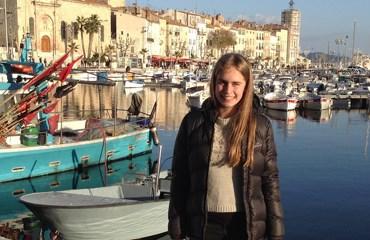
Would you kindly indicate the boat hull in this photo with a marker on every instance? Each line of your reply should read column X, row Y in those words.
column 109, row 219
column 133, row 84
column 281, row 104
column 8, row 88
column 92, row 177
column 26, row 162
column 317, row 104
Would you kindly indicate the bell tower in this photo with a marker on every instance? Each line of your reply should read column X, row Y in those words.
column 291, row 18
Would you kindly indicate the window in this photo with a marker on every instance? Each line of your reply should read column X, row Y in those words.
column 32, row 26
column 102, row 33
column 75, row 30
column 63, row 28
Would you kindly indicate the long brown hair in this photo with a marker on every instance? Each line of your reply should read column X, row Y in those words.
column 245, row 124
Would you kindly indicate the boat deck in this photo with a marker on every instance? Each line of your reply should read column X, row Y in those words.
column 81, row 199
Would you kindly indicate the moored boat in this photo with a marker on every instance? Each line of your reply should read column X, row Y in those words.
column 32, row 144
column 33, row 156
column 197, row 95
column 279, row 101
column 313, row 101
column 137, row 83
column 14, row 74
column 125, row 211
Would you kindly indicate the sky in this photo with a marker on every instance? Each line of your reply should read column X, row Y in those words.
column 323, row 21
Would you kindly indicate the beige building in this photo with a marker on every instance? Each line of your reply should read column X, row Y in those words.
column 129, row 37
column 251, row 43
column 281, row 45
column 141, row 32
column 177, row 39
column 291, row 18
column 278, row 43
column 52, row 25
column 185, row 18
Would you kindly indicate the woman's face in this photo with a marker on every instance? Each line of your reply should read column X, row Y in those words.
column 229, row 90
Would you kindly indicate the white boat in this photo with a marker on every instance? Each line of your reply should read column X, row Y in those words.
column 126, row 211
column 115, row 76
column 196, row 99
column 134, row 83
column 84, row 76
column 361, row 90
column 315, row 102
column 279, row 101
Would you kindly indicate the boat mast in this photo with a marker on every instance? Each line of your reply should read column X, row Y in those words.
column 353, row 43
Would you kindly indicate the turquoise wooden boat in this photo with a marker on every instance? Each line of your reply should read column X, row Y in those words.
column 14, row 74
column 24, row 157
column 33, row 146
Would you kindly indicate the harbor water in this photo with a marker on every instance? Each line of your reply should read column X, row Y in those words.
column 323, row 160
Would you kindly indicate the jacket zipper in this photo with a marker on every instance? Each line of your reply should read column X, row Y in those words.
column 205, row 197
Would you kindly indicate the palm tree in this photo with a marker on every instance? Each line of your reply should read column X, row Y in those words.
column 92, row 26
column 81, row 21
column 109, row 52
column 73, row 47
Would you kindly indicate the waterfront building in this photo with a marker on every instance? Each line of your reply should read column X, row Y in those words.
column 281, row 46
column 53, row 26
column 137, row 32
column 260, row 34
column 240, row 39
column 202, row 34
column 190, row 19
column 278, row 43
column 199, row 27
column 177, row 39
column 291, row 18
column 192, row 42
column 136, row 35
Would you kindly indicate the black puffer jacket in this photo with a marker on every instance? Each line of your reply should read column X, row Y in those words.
column 187, row 212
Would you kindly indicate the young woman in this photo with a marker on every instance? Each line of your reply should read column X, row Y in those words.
column 225, row 178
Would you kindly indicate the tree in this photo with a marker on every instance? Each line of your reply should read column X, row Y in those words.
column 92, row 26
column 73, row 47
column 124, row 44
column 221, row 39
column 144, row 51
column 81, row 21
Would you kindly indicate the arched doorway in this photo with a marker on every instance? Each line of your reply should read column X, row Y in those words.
column 45, row 44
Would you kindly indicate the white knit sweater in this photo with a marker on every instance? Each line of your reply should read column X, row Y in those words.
column 224, row 182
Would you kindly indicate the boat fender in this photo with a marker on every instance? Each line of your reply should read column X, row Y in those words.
column 154, row 135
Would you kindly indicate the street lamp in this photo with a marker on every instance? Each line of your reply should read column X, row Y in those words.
column 99, row 45
column 6, row 29
column 345, row 51
column 100, row 40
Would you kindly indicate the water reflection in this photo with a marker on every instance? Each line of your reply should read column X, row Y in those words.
column 285, row 120
column 123, row 170
column 171, row 103
column 316, row 115
column 289, row 117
